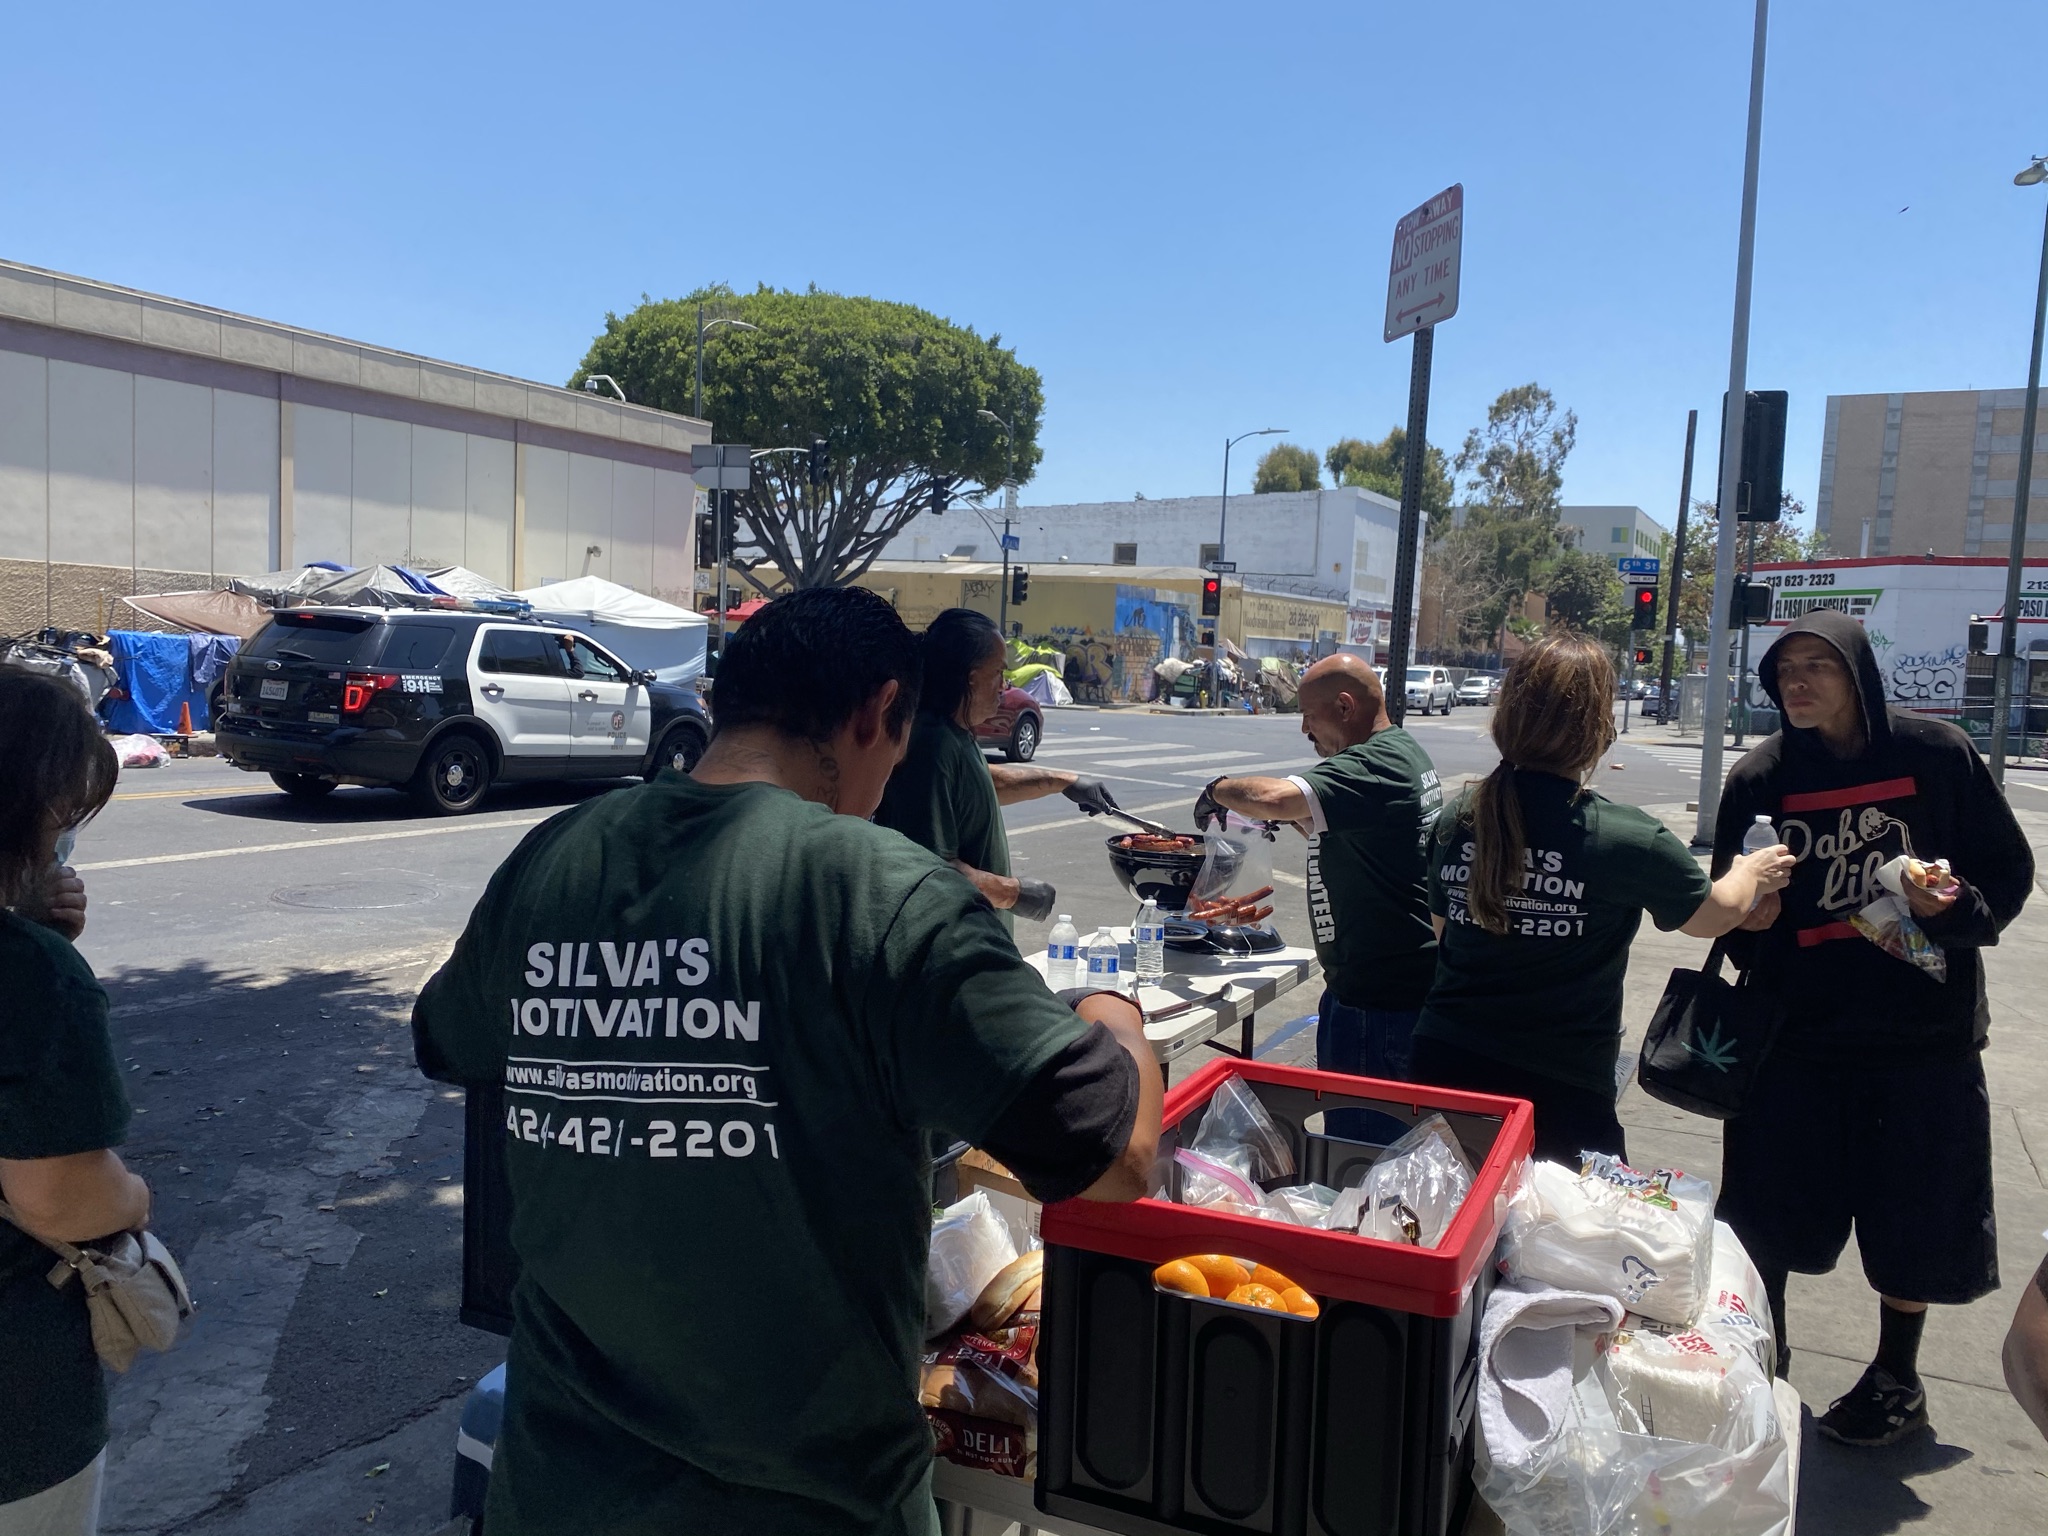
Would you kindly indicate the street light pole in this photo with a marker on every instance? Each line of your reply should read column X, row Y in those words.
column 2023, row 488
column 1222, row 533
column 1009, row 473
column 720, row 541
column 1716, row 722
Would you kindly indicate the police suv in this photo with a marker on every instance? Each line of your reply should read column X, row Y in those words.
column 444, row 703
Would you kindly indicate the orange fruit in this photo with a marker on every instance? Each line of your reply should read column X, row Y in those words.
column 1180, row 1275
column 1223, row 1274
column 1266, row 1275
column 1300, row 1303
column 1250, row 1295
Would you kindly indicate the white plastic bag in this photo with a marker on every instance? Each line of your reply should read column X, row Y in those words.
column 970, row 1244
column 1412, row 1191
column 1237, row 1131
column 138, row 751
column 1646, row 1239
column 1608, row 1473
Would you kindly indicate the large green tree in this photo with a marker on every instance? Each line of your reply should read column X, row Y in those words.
column 1785, row 540
column 1584, row 591
column 1514, row 463
column 1287, row 467
column 895, row 391
column 1379, row 467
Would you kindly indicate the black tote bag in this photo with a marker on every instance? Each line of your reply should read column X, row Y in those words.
column 1707, row 1040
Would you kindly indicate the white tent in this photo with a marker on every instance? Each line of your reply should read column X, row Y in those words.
column 644, row 631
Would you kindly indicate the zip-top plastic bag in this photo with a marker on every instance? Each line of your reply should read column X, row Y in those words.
column 1411, row 1192
column 1238, row 861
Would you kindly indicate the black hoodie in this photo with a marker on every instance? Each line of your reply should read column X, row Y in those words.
column 1918, row 787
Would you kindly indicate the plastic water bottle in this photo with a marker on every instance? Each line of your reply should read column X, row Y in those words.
column 1761, row 835
column 1103, row 962
column 1151, row 936
column 1063, row 955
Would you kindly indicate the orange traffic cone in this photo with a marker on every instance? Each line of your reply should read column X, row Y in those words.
column 185, row 719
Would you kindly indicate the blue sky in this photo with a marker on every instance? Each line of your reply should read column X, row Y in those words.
column 1179, row 214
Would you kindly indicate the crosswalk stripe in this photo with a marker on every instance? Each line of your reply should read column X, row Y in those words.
column 1168, row 762
column 1094, row 747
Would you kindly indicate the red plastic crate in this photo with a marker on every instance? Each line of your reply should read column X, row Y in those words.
column 1429, row 1282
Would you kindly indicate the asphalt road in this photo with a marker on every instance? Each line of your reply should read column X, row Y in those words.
column 262, row 957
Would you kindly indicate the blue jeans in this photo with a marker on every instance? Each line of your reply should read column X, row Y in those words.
column 1364, row 1042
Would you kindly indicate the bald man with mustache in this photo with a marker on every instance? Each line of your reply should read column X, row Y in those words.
column 1367, row 809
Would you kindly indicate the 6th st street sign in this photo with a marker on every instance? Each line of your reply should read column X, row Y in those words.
column 1422, row 278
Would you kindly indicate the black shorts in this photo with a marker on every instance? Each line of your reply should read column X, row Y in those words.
column 1898, row 1149
column 1569, row 1119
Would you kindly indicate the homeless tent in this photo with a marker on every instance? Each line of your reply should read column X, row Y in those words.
column 642, row 631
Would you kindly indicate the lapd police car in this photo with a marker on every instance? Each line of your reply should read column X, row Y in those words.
column 444, row 703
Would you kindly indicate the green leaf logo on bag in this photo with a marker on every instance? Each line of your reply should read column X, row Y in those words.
column 1708, row 1048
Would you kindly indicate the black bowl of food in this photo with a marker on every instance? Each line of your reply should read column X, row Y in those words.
column 1165, row 869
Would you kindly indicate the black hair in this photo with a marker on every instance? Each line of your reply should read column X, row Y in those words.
column 803, row 664
column 61, row 770
column 955, row 643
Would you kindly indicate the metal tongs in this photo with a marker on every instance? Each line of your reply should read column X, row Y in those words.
column 1143, row 825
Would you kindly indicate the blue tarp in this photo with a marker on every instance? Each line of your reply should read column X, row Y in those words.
column 155, row 672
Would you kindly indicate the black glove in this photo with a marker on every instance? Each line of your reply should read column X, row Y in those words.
column 1207, row 807
column 1034, row 900
column 1092, row 795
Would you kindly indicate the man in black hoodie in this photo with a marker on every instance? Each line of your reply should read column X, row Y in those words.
column 1871, row 1110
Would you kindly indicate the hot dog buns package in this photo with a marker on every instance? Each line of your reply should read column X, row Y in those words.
column 979, row 1386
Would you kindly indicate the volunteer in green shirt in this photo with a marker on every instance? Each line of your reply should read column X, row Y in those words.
column 1367, row 808
column 945, row 795
column 62, row 1110
column 1537, row 886
column 728, row 1021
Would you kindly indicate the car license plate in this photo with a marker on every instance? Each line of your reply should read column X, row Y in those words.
column 275, row 688
column 323, row 717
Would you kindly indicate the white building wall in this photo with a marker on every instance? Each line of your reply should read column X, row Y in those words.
column 92, row 465
column 245, row 526
column 173, row 475
column 323, row 477
column 24, row 456
column 487, row 515
column 547, row 515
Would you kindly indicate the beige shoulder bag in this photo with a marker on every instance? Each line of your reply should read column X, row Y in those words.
column 134, row 1290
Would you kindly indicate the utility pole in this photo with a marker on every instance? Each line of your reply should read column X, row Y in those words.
column 1215, row 566
column 1692, row 423
column 1716, row 723
column 2008, row 633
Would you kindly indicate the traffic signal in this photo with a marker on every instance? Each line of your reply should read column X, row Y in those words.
column 821, row 461
column 1980, row 637
column 1760, row 481
column 1642, row 655
column 1212, row 597
column 1020, row 585
column 707, row 541
column 938, row 498
column 1644, row 615
column 1752, row 603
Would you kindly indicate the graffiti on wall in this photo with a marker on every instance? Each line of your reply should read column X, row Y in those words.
column 1929, row 677
column 1150, row 626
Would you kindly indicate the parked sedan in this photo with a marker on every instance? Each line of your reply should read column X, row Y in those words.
column 1017, row 726
column 1478, row 689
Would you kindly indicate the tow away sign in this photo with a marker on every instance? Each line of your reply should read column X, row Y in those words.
column 1422, row 278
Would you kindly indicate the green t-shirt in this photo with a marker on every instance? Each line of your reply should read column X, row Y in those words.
column 1372, row 807
column 942, row 797
column 727, row 1021
column 1546, row 995
column 59, row 1094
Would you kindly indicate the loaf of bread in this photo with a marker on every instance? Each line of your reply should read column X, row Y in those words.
column 1003, row 1297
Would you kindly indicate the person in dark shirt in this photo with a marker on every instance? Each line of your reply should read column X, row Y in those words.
column 62, row 1111
column 730, row 1014
column 1368, row 808
column 945, row 795
column 1871, row 1110
column 1538, row 886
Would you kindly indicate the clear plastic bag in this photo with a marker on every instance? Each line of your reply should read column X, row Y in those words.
column 970, row 1246
column 1673, row 1431
column 1646, row 1239
column 1238, row 860
column 1888, row 923
column 1411, row 1193
column 1237, row 1131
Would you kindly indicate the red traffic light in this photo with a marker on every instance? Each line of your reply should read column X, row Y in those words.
column 1212, row 596
column 1645, row 615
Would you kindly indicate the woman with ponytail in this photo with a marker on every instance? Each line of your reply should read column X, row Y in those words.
column 1537, row 885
